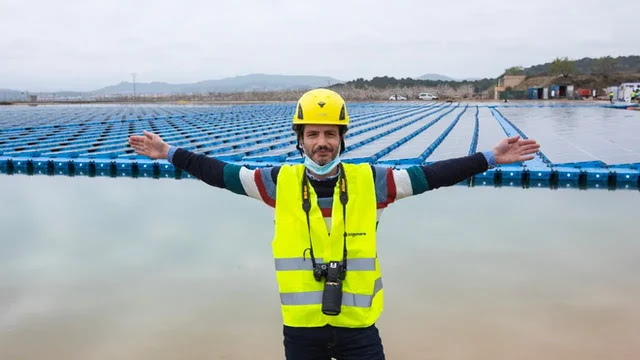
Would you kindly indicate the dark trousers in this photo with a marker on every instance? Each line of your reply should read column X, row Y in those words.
column 324, row 343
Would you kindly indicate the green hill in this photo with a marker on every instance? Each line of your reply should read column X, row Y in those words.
column 585, row 66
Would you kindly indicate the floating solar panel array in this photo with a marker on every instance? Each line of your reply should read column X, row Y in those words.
column 582, row 144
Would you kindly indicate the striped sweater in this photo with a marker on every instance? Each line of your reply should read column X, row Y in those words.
column 390, row 184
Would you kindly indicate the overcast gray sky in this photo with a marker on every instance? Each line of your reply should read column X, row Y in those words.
column 85, row 45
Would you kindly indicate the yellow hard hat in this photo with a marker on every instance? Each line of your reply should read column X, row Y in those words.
column 321, row 107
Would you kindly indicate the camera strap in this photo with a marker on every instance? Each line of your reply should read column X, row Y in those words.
column 306, row 206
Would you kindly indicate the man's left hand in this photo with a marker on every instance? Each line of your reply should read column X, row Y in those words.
column 514, row 149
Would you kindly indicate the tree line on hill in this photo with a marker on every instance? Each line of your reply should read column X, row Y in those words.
column 601, row 70
column 603, row 66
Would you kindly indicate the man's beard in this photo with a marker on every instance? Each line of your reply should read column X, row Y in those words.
column 323, row 162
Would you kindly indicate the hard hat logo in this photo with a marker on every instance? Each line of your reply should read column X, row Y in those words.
column 300, row 112
column 331, row 108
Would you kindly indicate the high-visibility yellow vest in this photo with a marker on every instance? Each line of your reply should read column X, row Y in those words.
column 300, row 293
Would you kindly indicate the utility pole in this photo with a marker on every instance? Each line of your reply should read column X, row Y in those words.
column 134, row 86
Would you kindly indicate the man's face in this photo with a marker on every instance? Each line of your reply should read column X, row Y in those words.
column 321, row 142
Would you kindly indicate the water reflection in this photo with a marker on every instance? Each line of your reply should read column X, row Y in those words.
column 104, row 268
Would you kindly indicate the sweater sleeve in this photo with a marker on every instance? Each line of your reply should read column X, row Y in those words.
column 208, row 169
column 452, row 171
column 258, row 183
column 401, row 183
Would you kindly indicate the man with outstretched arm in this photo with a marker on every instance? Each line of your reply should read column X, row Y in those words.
column 326, row 212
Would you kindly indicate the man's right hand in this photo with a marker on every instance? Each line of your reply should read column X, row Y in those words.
column 150, row 145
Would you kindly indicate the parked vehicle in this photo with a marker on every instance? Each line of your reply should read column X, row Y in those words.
column 427, row 96
column 397, row 97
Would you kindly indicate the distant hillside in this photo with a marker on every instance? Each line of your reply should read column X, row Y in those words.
column 254, row 82
column 438, row 77
column 435, row 77
column 584, row 66
column 626, row 68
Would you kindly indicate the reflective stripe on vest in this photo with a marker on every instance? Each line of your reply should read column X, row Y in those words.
column 315, row 297
column 285, row 264
column 300, row 293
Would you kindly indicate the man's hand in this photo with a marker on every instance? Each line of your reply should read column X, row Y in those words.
column 150, row 145
column 514, row 149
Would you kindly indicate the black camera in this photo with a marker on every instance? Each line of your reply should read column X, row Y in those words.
column 334, row 273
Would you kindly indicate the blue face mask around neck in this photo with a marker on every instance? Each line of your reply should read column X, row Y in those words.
column 324, row 169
